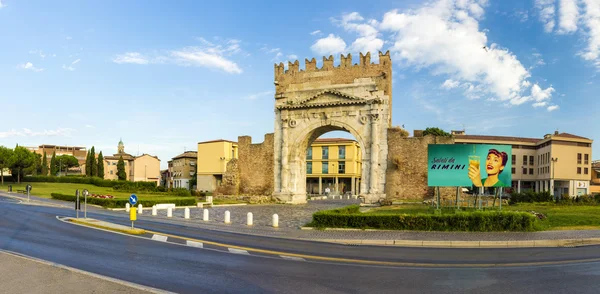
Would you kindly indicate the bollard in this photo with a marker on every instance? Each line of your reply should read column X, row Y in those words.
column 140, row 208
column 186, row 213
column 200, row 205
column 205, row 215
column 275, row 221
column 249, row 218
column 209, row 199
column 170, row 212
column 127, row 207
column 154, row 210
column 227, row 217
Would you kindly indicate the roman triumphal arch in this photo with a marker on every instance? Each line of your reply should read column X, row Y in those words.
column 356, row 98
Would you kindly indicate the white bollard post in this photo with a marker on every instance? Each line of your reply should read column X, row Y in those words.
column 127, row 207
column 227, row 217
column 275, row 221
column 209, row 199
column 205, row 215
column 170, row 212
column 186, row 213
column 249, row 218
column 154, row 210
column 200, row 205
column 140, row 208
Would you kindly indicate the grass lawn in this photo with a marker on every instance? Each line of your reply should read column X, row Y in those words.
column 558, row 217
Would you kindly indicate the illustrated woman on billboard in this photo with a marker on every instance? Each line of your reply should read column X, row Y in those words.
column 494, row 165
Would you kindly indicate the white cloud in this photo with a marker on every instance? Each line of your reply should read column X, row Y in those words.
column 445, row 37
column 292, row 57
column 547, row 13
column 203, row 57
column 29, row 66
column 591, row 19
column 2, row 5
column 258, row 95
column 368, row 36
column 89, row 126
column 552, row 107
column 568, row 15
column 450, row 84
column 40, row 53
column 317, row 32
column 76, row 61
column 130, row 57
column 69, row 68
column 540, row 104
column 540, row 95
column 329, row 45
column 60, row 132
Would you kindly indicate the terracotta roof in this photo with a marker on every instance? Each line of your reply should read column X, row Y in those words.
column 215, row 141
column 144, row 154
column 567, row 135
column 497, row 138
column 187, row 154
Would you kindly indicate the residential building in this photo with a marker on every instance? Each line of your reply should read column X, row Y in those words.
column 559, row 162
column 183, row 169
column 78, row 152
column 595, row 183
column 212, row 158
column 333, row 163
column 142, row 168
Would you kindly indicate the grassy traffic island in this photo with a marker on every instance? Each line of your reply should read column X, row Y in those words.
column 523, row 217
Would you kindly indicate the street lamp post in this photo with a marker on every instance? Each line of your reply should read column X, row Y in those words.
column 554, row 160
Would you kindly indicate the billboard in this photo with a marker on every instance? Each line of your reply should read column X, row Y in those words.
column 465, row 165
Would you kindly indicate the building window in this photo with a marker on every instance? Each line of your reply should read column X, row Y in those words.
column 513, row 170
column 325, row 152
column 524, row 159
column 342, row 152
column 309, row 153
column 111, row 172
column 578, row 158
column 524, row 171
column 514, row 160
column 586, row 158
column 579, row 170
column 325, row 167
column 585, row 171
column 531, row 160
column 309, row 167
column 342, row 167
column 531, row 171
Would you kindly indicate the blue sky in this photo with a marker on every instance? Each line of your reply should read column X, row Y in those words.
column 164, row 75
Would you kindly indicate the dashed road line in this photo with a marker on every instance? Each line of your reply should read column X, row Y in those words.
column 159, row 238
column 238, row 251
column 292, row 258
column 194, row 244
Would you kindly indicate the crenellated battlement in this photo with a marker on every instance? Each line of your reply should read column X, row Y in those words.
column 364, row 61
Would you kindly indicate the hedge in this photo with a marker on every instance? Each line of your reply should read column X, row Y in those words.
column 531, row 197
column 117, row 203
column 484, row 221
column 91, row 181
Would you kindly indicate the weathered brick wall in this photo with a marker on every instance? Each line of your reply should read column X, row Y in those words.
column 231, row 179
column 406, row 176
column 255, row 164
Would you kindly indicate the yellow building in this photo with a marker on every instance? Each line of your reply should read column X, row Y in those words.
column 560, row 162
column 595, row 184
column 212, row 162
column 183, row 169
column 143, row 168
column 333, row 165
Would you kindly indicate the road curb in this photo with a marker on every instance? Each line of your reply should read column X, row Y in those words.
column 469, row 244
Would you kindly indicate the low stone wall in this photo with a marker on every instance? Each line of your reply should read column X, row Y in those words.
column 252, row 199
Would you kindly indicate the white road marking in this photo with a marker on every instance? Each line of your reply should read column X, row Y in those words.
column 238, row 251
column 194, row 244
column 292, row 258
column 160, row 238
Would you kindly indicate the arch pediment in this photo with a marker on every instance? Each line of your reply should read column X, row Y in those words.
column 328, row 98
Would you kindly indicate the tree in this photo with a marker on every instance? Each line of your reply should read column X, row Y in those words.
column 121, row 174
column 94, row 168
column 65, row 162
column 5, row 158
column 436, row 132
column 44, row 165
column 53, row 169
column 100, row 165
column 36, row 167
column 88, row 165
column 21, row 160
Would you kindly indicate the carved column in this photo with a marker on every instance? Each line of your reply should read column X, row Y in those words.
column 373, row 187
column 285, row 168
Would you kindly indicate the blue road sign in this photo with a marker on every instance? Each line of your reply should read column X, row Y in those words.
column 133, row 199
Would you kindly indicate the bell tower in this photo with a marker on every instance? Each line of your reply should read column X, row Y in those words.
column 121, row 147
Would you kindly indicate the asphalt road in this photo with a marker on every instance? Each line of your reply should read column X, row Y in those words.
column 35, row 231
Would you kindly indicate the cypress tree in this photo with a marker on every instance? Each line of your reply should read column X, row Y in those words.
column 53, row 167
column 94, row 165
column 100, row 165
column 88, row 165
column 44, row 165
column 121, row 174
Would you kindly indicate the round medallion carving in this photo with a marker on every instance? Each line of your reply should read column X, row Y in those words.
column 292, row 123
column 363, row 119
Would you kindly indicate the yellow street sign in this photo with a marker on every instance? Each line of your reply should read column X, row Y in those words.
column 133, row 214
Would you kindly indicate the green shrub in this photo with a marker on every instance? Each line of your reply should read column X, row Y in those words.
column 350, row 217
column 118, row 203
column 531, row 197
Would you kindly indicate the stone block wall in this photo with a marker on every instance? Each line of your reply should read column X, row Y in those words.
column 255, row 164
column 406, row 176
column 231, row 179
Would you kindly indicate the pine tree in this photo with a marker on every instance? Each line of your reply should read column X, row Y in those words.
column 53, row 167
column 121, row 174
column 94, row 168
column 100, row 165
column 88, row 165
column 44, row 165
